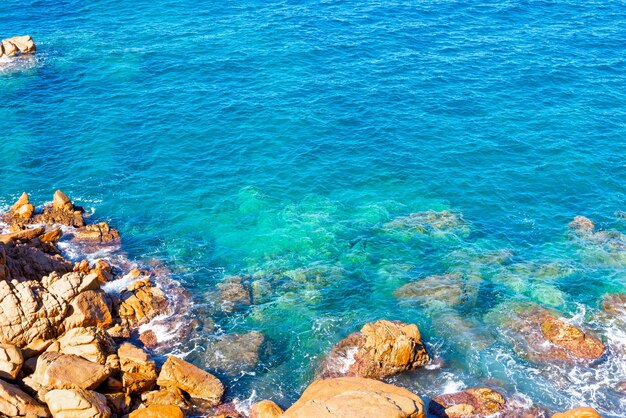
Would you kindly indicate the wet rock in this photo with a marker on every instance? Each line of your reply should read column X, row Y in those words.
column 479, row 402
column 138, row 370
column 349, row 397
column 140, row 302
column 100, row 232
column 235, row 352
column 148, row 339
column 578, row 413
column 582, row 224
column 448, row 290
column 158, row 411
column 68, row 403
column 166, row 396
column 233, row 294
column 227, row 410
column 92, row 344
column 68, row 371
column 380, row 349
column 571, row 339
column 614, row 303
column 194, row 381
column 89, row 309
column 14, row 402
column 11, row 361
column 62, row 212
column 265, row 409
column 22, row 210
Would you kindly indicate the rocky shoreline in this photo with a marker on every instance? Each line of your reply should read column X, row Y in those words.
column 70, row 344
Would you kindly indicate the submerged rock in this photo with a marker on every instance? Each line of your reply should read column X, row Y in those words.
column 235, row 352
column 380, row 349
column 582, row 224
column 614, row 303
column 348, row 397
column 447, row 290
column 429, row 223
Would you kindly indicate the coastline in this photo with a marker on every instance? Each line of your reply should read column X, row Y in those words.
column 78, row 337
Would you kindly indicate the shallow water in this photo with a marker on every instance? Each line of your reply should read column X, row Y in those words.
column 280, row 140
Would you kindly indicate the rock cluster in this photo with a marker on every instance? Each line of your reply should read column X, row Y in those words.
column 17, row 45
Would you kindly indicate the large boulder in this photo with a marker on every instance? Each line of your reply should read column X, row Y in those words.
column 194, row 381
column 68, row 403
column 67, row 371
column 16, row 45
column 33, row 310
column 382, row 348
column 89, row 309
column 140, row 302
column 582, row 412
column 11, row 361
column 348, row 397
column 14, row 402
column 479, row 402
column 93, row 344
column 158, row 411
column 166, row 396
column 138, row 370
column 265, row 409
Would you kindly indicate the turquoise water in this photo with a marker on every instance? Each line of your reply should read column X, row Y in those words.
column 280, row 139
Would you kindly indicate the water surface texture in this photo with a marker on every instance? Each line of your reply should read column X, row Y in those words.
column 278, row 140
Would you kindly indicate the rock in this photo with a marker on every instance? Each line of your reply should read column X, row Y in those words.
column 578, row 413
column 119, row 403
column 235, row 352
column 34, row 310
column 158, row 411
column 140, row 302
column 61, row 202
column 582, row 224
column 89, row 309
column 265, row 409
column 148, row 339
column 68, row 371
column 21, row 210
column 349, row 397
column 138, row 370
column 571, row 339
column 614, row 303
column 67, row 403
column 9, row 48
column 23, row 44
column 28, row 261
column 166, row 396
column 24, row 235
column 447, row 290
column 233, row 294
column 104, row 271
column 187, row 377
column 430, row 223
column 119, row 332
column 14, row 402
column 100, row 232
column 479, row 402
column 92, row 344
column 11, row 361
column 51, row 235
column 227, row 410
column 61, row 212
column 380, row 349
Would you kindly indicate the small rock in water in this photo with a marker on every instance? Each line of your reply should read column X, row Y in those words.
column 582, row 224
column 380, row 349
column 479, row 402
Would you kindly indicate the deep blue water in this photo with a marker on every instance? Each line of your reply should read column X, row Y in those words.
column 278, row 138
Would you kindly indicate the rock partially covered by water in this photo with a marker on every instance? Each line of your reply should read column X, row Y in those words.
column 582, row 412
column 380, row 349
column 429, row 223
column 192, row 380
column 62, row 212
column 349, row 397
column 235, row 352
column 582, row 224
column 479, row 402
column 17, row 45
column 614, row 303
column 100, row 232
column 265, row 409
column 448, row 290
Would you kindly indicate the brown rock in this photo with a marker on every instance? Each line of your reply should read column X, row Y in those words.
column 104, row 271
column 614, row 303
column 100, row 232
column 380, row 349
column 348, row 397
column 571, row 339
column 89, row 309
column 24, row 235
column 119, row 403
column 14, row 402
column 187, row 377
column 140, row 303
column 158, row 411
column 166, row 396
column 61, row 202
column 92, row 344
column 233, row 294
column 61, row 212
column 67, row 403
column 67, row 371
column 21, row 210
column 480, row 402
column 9, row 48
column 24, row 44
column 11, row 361
column 138, row 370
column 51, row 235
column 578, row 413
column 29, row 261
column 265, row 409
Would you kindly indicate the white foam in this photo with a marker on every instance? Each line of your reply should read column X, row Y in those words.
column 117, row 286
